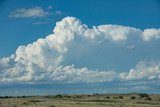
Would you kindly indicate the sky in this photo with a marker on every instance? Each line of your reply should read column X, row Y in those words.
column 79, row 46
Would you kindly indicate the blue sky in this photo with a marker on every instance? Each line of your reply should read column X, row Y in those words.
column 126, row 49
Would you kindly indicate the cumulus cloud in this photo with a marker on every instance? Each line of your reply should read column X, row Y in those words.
column 29, row 12
column 67, row 74
column 149, row 70
column 150, row 34
column 42, row 60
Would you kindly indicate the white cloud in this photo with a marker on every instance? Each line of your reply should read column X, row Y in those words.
column 72, row 26
column 117, row 32
column 42, row 60
column 68, row 74
column 130, row 47
column 40, row 22
column 141, row 87
column 50, row 7
column 72, row 74
column 133, row 88
column 29, row 12
column 144, row 70
column 150, row 34
column 58, row 12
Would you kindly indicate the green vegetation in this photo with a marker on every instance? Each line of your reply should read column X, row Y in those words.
column 52, row 106
column 133, row 97
column 143, row 95
column 94, row 100
column 34, row 101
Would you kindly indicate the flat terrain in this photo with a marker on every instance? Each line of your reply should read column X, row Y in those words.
column 95, row 100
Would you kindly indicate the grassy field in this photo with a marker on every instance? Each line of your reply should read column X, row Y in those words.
column 95, row 100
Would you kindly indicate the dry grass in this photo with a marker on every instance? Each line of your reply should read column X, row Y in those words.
column 96, row 100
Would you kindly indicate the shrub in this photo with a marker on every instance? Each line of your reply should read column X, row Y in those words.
column 95, row 94
column 34, row 101
column 133, row 97
column 23, row 96
column 149, row 98
column 79, row 96
column 59, row 96
column 120, row 97
column 115, row 97
column 107, row 97
column 68, row 96
column 7, row 96
column 143, row 95
column 52, row 106
column 14, row 105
